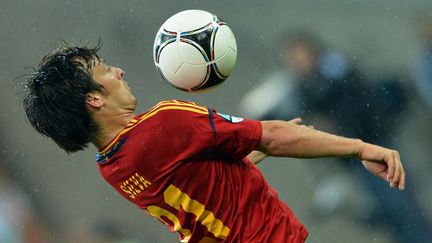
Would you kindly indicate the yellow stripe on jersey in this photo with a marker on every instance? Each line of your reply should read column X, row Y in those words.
column 164, row 105
column 176, row 102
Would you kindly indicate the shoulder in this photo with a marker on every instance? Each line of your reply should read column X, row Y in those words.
column 178, row 105
column 169, row 111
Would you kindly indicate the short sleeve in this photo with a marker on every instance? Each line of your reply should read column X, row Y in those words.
column 235, row 137
column 194, row 129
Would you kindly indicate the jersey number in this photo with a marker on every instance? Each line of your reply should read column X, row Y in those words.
column 174, row 197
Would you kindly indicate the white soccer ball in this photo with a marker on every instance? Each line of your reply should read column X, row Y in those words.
column 194, row 50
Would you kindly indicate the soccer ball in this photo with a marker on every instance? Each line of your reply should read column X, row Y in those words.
column 194, row 50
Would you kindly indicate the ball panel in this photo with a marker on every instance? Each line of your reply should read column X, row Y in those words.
column 226, row 64
column 212, row 81
column 162, row 71
column 192, row 53
column 188, row 20
column 163, row 37
column 189, row 76
column 169, row 57
column 225, row 51
column 161, row 41
column 183, row 64
column 202, row 39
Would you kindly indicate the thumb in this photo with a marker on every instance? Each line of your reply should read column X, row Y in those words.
column 296, row 120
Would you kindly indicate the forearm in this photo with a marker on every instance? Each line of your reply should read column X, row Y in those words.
column 290, row 140
column 256, row 156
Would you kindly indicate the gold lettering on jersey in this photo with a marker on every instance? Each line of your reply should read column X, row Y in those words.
column 174, row 197
column 157, row 212
column 134, row 185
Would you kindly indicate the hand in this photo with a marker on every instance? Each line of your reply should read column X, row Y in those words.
column 385, row 164
column 298, row 121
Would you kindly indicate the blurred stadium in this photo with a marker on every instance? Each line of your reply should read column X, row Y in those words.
column 49, row 196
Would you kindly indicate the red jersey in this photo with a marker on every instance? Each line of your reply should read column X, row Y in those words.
column 185, row 164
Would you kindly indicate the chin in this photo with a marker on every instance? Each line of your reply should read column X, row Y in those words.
column 134, row 103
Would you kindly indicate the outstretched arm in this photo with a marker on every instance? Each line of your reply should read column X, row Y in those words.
column 286, row 139
column 257, row 156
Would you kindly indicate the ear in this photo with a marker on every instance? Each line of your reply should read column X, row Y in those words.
column 94, row 100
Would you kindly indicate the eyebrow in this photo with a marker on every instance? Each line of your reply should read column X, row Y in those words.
column 102, row 61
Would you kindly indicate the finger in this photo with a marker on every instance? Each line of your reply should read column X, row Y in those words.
column 296, row 120
column 402, row 180
column 402, row 176
column 390, row 168
column 311, row 127
column 397, row 171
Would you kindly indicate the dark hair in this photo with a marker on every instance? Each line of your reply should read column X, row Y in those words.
column 55, row 96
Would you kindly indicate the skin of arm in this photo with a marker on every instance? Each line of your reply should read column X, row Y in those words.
column 257, row 156
column 288, row 139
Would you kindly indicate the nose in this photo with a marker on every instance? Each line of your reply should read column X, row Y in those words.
column 119, row 73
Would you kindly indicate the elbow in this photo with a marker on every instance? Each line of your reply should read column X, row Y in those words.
column 273, row 148
column 274, row 140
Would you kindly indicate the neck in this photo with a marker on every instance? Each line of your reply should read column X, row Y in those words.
column 110, row 124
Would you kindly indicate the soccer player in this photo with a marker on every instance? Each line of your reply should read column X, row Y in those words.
column 187, row 165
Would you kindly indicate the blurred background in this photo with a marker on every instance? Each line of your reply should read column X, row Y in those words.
column 356, row 68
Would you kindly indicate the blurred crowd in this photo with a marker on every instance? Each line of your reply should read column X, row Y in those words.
column 20, row 221
column 327, row 89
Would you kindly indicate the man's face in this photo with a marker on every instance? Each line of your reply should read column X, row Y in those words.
column 116, row 91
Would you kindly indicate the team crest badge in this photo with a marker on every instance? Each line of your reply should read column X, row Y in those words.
column 229, row 118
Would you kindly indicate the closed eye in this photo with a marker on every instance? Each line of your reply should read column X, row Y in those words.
column 108, row 68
